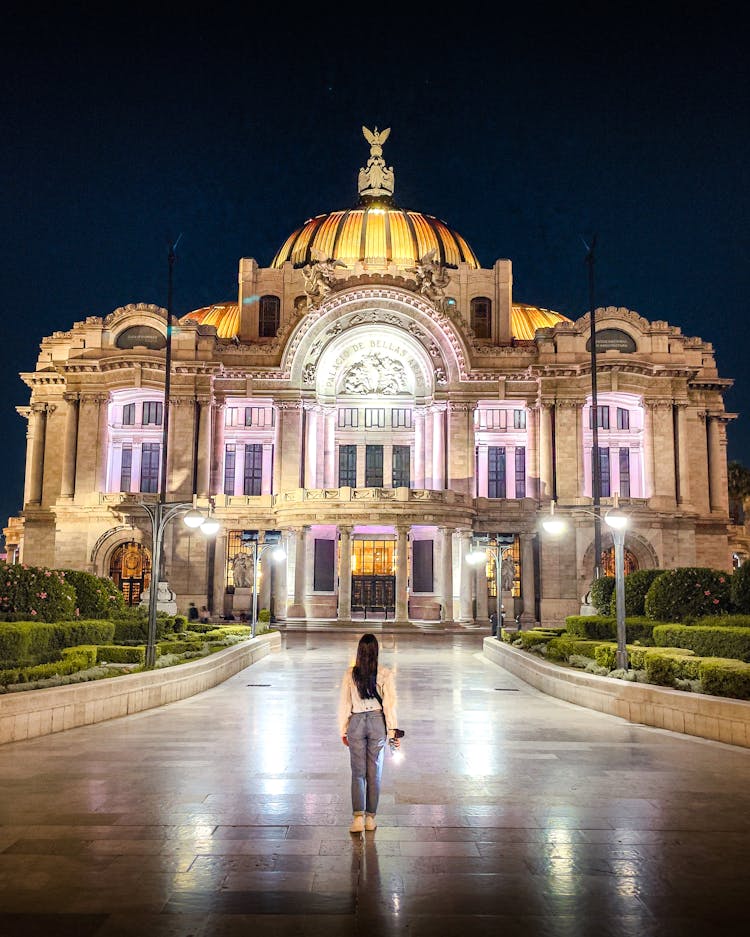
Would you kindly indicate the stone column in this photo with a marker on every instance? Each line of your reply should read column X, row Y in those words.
column 280, row 581
column 683, row 458
column 546, row 412
column 438, row 448
column 532, row 452
column 181, row 448
column 663, row 453
column 649, row 480
column 288, row 456
column 90, row 419
column 402, row 573
column 345, row 574
column 446, row 583
column 481, row 587
column 717, row 461
column 483, row 458
column 311, row 447
column 297, row 609
column 35, row 453
column 429, row 435
column 203, row 473
column 220, row 575
column 465, row 610
column 569, row 459
column 217, row 447
column 528, row 592
column 459, row 472
column 329, row 472
column 419, row 453
column 68, row 477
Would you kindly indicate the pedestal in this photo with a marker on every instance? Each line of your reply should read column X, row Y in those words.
column 165, row 598
column 242, row 601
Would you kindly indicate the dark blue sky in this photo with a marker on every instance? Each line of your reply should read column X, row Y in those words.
column 527, row 135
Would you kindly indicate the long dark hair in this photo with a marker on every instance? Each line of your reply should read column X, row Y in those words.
column 365, row 669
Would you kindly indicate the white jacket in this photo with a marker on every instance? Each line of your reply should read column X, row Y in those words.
column 351, row 702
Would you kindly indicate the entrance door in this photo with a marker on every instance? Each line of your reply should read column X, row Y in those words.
column 130, row 570
column 373, row 575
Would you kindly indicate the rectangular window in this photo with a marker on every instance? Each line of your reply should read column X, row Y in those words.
column 493, row 419
column 324, row 566
column 401, row 418
column 230, row 462
column 401, row 474
column 623, row 418
column 126, row 466
column 128, row 417
column 519, row 419
column 230, row 416
column 603, row 422
column 604, row 470
column 258, row 416
column 253, row 479
column 496, row 472
column 373, row 466
column 152, row 412
column 421, row 560
column 625, row 473
column 150, row 466
column 348, row 416
column 520, row 472
column 374, row 418
column 347, row 466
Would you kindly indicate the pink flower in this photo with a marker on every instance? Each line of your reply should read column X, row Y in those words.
column 722, row 579
column 716, row 601
column 33, row 612
column 41, row 595
column 707, row 592
column 47, row 572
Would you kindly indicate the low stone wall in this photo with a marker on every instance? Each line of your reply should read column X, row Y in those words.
column 707, row 717
column 26, row 714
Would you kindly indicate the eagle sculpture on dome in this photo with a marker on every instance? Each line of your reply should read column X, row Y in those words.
column 376, row 180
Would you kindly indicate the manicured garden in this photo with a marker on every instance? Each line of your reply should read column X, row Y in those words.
column 67, row 626
column 687, row 628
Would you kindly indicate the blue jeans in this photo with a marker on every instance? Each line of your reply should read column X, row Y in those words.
column 366, row 737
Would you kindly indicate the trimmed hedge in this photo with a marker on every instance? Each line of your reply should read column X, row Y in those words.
column 706, row 640
column 33, row 642
column 116, row 654
column 566, row 645
column 602, row 590
column 721, row 677
column 604, row 628
column 688, row 592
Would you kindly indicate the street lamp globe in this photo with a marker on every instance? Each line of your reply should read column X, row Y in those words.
column 552, row 523
column 476, row 557
column 194, row 518
column 210, row 526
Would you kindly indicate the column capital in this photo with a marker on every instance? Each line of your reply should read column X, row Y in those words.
column 71, row 396
column 569, row 404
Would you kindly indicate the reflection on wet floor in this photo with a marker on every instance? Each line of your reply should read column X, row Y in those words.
column 512, row 813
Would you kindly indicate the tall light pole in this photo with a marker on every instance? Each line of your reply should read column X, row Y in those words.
column 162, row 512
column 617, row 523
column 596, row 468
column 480, row 548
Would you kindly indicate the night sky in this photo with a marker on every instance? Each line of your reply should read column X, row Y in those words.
column 527, row 135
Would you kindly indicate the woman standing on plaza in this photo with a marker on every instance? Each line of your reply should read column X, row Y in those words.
column 367, row 718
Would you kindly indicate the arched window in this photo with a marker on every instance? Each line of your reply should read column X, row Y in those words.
column 481, row 317
column 608, row 562
column 130, row 570
column 268, row 316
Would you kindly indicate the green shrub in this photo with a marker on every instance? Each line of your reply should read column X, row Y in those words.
column 636, row 585
column 721, row 677
column 35, row 593
column 96, row 597
column 739, row 589
column 723, row 621
column 115, row 654
column 706, row 640
column 179, row 647
column 602, row 590
column 590, row 626
column 688, row 593
column 565, row 646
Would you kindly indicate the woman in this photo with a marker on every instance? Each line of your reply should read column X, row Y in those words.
column 367, row 717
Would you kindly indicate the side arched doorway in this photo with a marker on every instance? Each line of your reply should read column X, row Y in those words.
column 130, row 570
column 608, row 562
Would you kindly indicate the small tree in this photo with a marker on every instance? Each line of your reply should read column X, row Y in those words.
column 96, row 597
column 602, row 590
column 688, row 593
column 637, row 585
column 35, row 593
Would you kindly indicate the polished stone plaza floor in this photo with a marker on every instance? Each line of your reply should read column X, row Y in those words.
column 511, row 814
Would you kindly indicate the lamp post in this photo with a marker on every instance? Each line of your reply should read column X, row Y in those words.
column 161, row 513
column 617, row 523
column 596, row 467
column 271, row 541
column 478, row 554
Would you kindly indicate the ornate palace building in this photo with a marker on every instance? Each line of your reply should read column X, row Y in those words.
column 380, row 402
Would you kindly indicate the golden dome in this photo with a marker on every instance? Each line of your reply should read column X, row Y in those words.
column 376, row 234
column 525, row 320
column 225, row 316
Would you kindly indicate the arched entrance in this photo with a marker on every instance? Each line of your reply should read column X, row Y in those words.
column 130, row 570
column 608, row 562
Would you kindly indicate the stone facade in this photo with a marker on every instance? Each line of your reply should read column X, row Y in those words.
column 380, row 427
